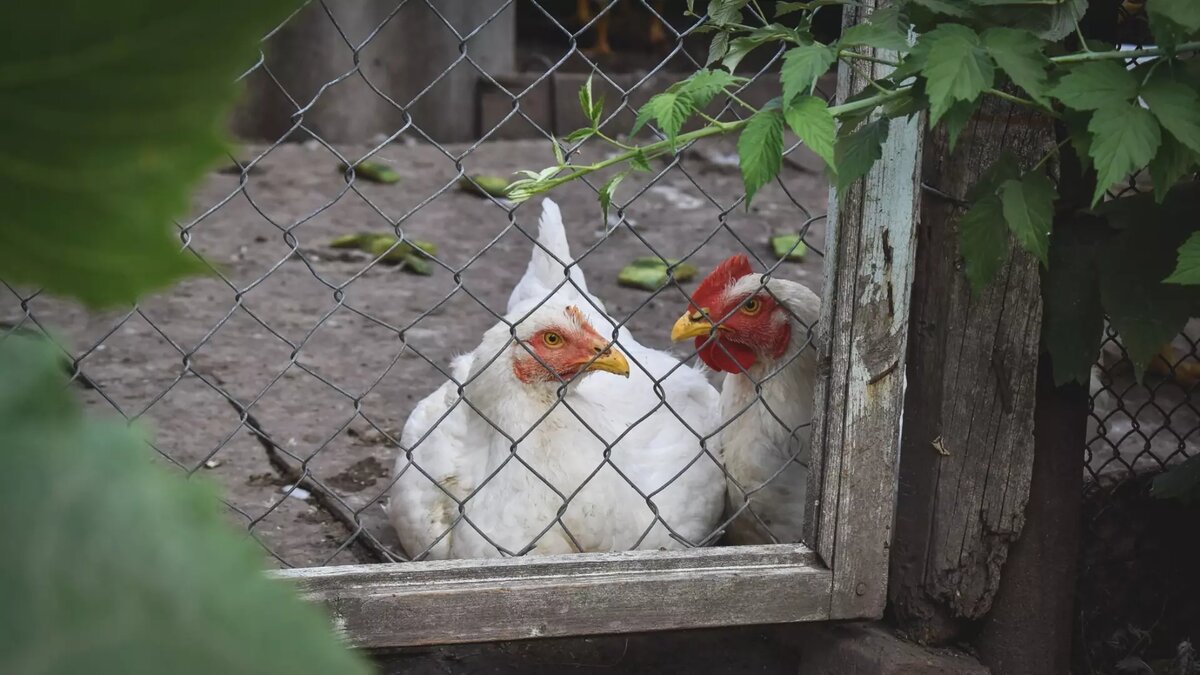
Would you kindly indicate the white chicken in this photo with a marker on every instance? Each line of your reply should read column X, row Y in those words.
column 761, row 338
column 501, row 466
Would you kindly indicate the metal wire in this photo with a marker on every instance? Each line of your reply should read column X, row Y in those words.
column 206, row 438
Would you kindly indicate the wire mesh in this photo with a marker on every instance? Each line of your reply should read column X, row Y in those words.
column 287, row 375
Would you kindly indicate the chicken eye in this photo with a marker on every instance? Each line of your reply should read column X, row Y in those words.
column 552, row 340
column 752, row 306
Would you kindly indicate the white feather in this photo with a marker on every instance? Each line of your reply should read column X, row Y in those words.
column 766, row 443
column 465, row 494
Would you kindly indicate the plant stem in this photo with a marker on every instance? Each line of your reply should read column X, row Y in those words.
column 716, row 128
column 1120, row 55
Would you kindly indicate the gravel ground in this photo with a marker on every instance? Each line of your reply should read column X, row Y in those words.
column 310, row 342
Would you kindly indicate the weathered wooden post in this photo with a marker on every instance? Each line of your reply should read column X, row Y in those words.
column 967, row 452
column 348, row 70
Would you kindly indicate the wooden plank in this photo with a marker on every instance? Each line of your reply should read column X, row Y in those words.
column 442, row 602
column 967, row 451
column 863, row 339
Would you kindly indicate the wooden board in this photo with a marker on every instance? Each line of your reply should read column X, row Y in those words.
column 443, row 602
column 863, row 338
column 968, row 439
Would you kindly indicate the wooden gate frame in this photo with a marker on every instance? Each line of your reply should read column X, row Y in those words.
column 862, row 337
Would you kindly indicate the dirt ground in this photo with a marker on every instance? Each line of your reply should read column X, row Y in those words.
column 311, row 344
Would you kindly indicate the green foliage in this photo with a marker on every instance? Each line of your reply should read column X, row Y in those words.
column 1187, row 266
column 669, row 110
column 607, row 190
column 1028, row 205
column 1094, row 85
column 113, row 565
column 802, row 66
column 102, row 143
column 855, row 153
column 809, row 118
column 1124, row 138
column 1072, row 316
column 1180, row 483
column 983, row 240
column 760, row 149
column 957, row 68
column 942, row 57
column 1176, row 106
column 1020, row 55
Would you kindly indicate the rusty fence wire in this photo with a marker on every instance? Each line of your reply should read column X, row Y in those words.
column 286, row 375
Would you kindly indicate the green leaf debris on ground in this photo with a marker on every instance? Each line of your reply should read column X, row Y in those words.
column 412, row 254
column 650, row 273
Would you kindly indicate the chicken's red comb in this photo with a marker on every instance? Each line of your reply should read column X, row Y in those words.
column 733, row 268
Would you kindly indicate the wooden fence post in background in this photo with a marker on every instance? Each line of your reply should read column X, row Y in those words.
column 968, row 445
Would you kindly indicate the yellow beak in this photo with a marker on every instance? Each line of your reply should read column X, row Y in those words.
column 610, row 361
column 689, row 326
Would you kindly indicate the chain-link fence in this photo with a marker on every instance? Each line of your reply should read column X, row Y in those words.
column 288, row 375
column 1137, row 580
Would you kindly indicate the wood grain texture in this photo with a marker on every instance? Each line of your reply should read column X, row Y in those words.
column 862, row 338
column 453, row 601
column 967, row 448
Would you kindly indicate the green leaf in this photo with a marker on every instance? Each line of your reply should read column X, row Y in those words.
column 983, row 241
column 1181, row 482
column 109, row 120
column 788, row 246
column 1187, row 264
column 721, row 12
column 608, row 190
column 1072, row 316
column 738, row 49
column 802, row 66
column 482, row 185
column 669, row 110
column 957, row 68
column 884, row 29
column 717, row 49
column 588, row 104
column 580, row 134
column 1094, row 85
column 1029, row 211
column 1124, row 138
column 955, row 8
column 957, row 118
column 703, row 85
column 1182, row 13
column 1050, row 20
column 1146, row 312
column 639, row 162
column 1019, row 54
column 1172, row 162
column 114, row 565
column 1177, row 107
column 856, row 152
column 809, row 118
column 1005, row 168
column 374, row 172
column 650, row 274
column 760, row 150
